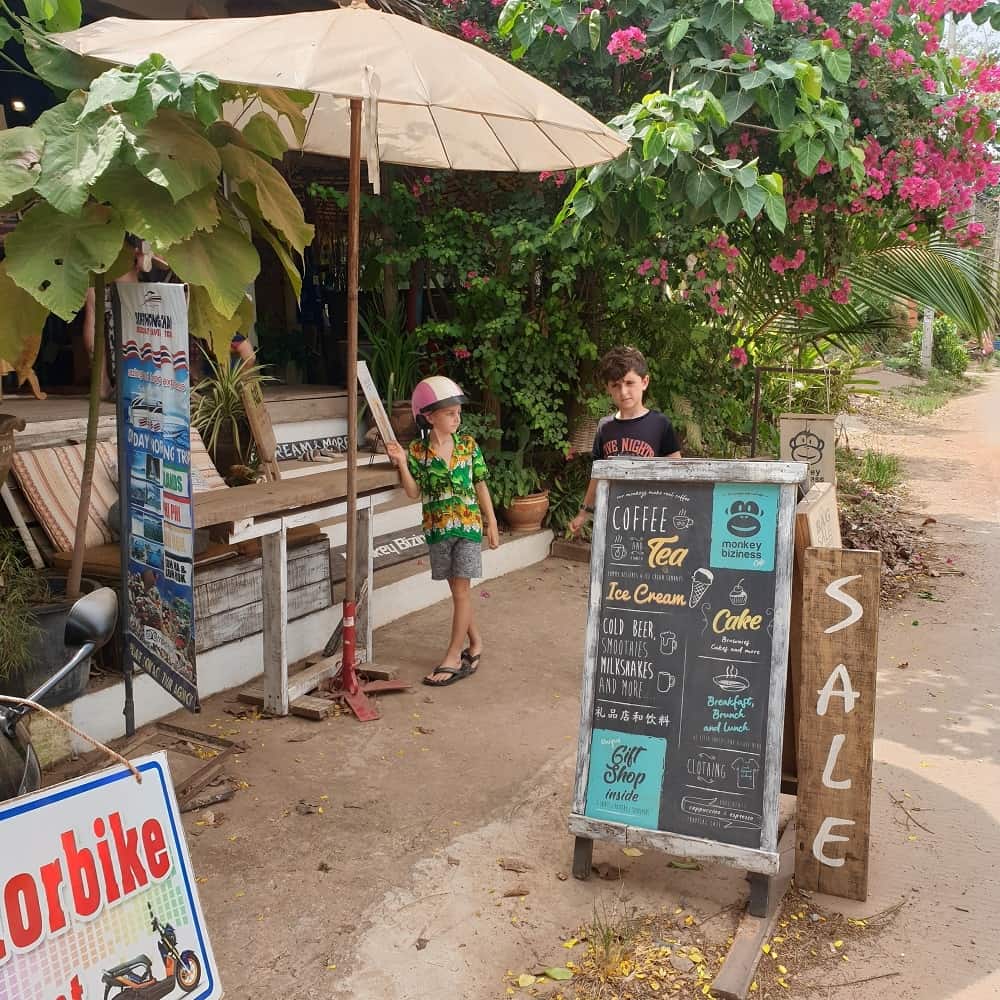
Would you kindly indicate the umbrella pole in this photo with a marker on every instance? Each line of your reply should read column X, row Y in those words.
column 350, row 681
column 353, row 692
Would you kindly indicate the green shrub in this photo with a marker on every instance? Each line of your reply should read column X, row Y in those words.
column 949, row 353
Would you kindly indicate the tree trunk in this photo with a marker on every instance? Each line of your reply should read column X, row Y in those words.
column 90, row 451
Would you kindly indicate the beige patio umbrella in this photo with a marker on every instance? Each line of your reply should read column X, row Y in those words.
column 430, row 100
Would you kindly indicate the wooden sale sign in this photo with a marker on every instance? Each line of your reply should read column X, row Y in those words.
column 97, row 896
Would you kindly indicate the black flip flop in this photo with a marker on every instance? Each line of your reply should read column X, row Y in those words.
column 471, row 661
column 457, row 674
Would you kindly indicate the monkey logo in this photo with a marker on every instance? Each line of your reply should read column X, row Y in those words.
column 744, row 518
column 807, row 447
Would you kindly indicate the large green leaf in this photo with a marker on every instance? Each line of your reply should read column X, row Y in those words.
column 223, row 261
column 58, row 67
column 41, row 10
column 67, row 17
column 206, row 322
column 173, row 152
column 700, row 186
column 281, row 250
column 20, row 156
column 727, row 203
column 808, row 153
column 731, row 21
column 23, row 318
column 77, row 151
column 774, row 207
column 737, row 103
column 762, row 11
column 117, row 86
column 52, row 255
column 148, row 210
column 838, row 64
column 752, row 199
column 677, row 33
column 263, row 134
column 263, row 188
column 289, row 104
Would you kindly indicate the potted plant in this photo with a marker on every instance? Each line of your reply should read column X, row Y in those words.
column 394, row 358
column 516, row 487
column 33, row 612
column 218, row 415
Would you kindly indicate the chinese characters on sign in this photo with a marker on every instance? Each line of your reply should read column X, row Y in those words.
column 154, row 419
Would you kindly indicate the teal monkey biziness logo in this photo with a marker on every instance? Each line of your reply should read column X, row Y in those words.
column 744, row 526
column 626, row 778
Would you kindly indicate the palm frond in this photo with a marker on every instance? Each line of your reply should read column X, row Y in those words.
column 954, row 281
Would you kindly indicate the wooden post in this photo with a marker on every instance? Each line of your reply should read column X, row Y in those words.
column 274, row 593
column 837, row 711
column 366, row 570
column 353, row 241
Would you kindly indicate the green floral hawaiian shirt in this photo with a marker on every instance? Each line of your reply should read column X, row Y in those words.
column 451, row 509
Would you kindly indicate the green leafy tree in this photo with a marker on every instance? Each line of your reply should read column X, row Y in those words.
column 138, row 150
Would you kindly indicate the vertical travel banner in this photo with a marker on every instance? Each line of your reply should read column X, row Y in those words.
column 154, row 426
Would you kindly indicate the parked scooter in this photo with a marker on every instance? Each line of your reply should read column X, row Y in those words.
column 135, row 978
column 89, row 625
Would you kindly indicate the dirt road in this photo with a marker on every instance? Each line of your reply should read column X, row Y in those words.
column 394, row 891
column 937, row 749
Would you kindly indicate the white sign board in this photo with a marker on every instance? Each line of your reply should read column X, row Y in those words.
column 97, row 895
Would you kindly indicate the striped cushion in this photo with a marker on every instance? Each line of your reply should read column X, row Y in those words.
column 50, row 478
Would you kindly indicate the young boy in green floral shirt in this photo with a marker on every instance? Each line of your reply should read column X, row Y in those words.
column 448, row 472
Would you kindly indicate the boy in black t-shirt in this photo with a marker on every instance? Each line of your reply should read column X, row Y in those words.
column 634, row 431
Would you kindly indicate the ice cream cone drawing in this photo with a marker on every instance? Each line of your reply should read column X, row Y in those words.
column 701, row 580
column 738, row 596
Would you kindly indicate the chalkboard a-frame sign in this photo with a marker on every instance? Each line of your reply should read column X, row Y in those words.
column 686, row 653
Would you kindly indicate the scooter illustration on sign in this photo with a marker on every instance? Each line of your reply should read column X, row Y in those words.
column 135, row 979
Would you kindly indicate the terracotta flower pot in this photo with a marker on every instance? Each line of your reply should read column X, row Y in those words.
column 527, row 513
column 403, row 422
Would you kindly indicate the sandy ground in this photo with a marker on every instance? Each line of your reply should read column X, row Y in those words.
column 394, row 890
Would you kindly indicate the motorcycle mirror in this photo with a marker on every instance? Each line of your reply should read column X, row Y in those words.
column 92, row 618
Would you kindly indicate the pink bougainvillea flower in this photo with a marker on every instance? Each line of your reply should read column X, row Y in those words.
column 627, row 44
column 472, row 32
column 738, row 357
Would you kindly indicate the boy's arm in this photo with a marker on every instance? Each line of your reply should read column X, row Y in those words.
column 398, row 458
column 489, row 514
column 586, row 510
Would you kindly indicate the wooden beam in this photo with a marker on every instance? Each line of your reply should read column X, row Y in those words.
column 737, row 973
column 301, row 683
column 242, row 502
column 274, row 590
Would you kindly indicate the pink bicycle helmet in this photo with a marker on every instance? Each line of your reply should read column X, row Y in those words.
column 434, row 393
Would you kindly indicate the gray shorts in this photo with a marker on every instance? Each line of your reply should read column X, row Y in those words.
column 456, row 558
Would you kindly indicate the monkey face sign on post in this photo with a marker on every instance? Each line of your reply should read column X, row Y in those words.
column 97, row 896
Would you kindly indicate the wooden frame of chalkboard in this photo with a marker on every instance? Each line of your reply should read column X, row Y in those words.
column 690, row 763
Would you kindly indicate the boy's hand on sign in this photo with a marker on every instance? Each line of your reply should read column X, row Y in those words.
column 396, row 454
column 493, row 535
column 577, row 523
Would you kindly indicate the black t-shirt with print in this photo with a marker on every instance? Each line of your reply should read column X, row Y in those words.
column 649, row 436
